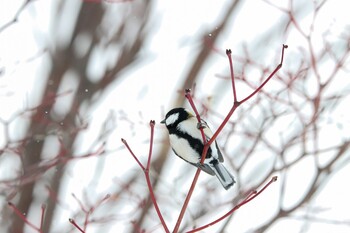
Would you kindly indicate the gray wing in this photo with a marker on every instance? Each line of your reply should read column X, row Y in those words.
column 220, row 157
column 204, row 167
column 208, row 134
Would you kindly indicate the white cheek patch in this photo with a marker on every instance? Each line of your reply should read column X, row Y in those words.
column 172, row 118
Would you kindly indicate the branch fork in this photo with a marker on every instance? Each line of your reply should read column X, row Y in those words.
column 207, row 144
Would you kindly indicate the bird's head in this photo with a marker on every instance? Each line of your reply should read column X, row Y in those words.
column 175, row 116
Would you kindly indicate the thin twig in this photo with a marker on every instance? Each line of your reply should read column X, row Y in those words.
column 132, row 153
column 43, row 208
column 236, row 104
column 268, row 78
column 249, row 198
column 23, row 217
column 190, row 100
column 76, row 225
column 228, row 53
column 146, row 172
column 196, row 176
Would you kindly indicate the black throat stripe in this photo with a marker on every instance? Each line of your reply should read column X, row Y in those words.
column 195, row 143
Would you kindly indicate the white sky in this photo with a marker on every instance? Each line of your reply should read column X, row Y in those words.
column 177, row 27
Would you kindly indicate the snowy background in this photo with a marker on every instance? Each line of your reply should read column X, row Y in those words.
column 78, row 76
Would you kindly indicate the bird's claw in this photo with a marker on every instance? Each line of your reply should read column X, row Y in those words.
column 201, row 125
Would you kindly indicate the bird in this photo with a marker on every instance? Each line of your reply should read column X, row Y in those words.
column 187, row 143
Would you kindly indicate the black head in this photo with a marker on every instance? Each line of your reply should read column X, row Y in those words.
column 175, row 116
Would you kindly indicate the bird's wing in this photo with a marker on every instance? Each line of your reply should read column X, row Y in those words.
column 208, row 134
column 205, row 167
column 220, row 157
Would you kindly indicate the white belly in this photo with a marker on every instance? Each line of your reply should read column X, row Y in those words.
column 183, row 149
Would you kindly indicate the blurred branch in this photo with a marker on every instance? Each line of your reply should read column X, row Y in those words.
column 16, row 16
column 44, row 117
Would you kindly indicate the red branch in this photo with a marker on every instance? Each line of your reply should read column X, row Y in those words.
column 146, row 171
column 24, row 218
column 236, row 104
column 88, row 212
column 228, row 53
column 43, row 208
column 279, row 66
column 195, row 179
column 190, row 100
column 250, row 197
column 76, row 225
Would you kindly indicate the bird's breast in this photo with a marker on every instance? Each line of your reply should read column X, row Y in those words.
column 183, row 149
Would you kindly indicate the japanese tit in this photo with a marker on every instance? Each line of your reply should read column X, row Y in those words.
column 187, row 143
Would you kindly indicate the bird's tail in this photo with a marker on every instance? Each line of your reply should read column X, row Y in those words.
column 225, row 178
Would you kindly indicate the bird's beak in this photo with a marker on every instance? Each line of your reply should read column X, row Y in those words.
column 163, row 121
